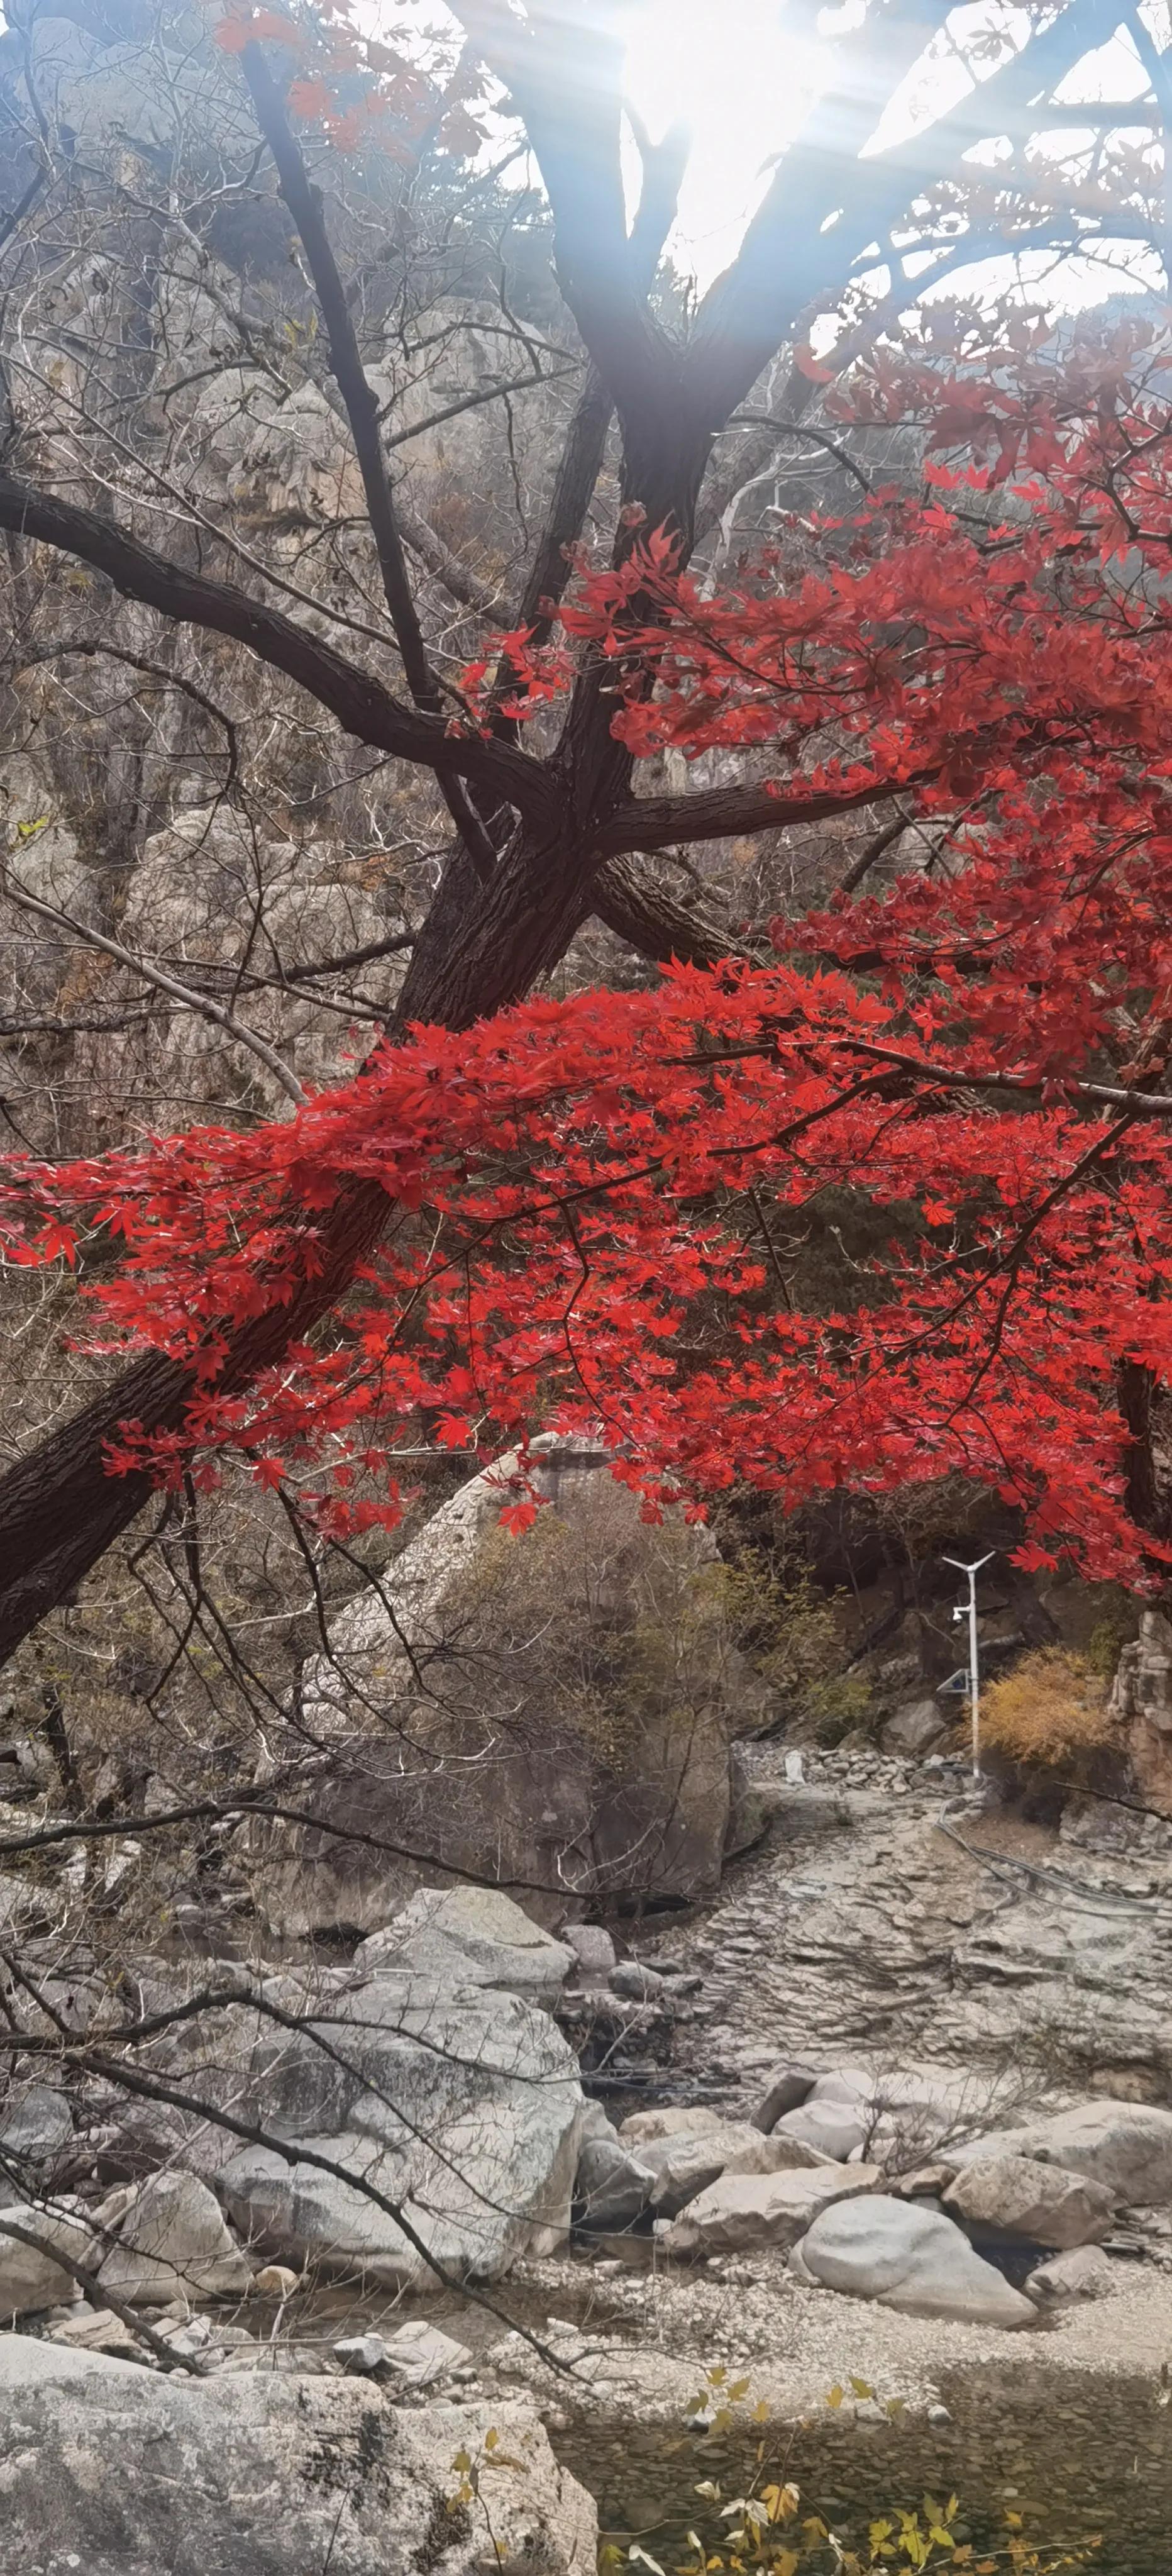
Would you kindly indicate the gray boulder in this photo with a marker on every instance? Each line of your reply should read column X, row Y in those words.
column 612, row 2189
column 36, row 2132
column 915, row 1729
column 744, row 2210
column 1015, row 2197
column 1126, row 2146
column 592, row 1947
column 505, row 1781
column 687, row 2164
column 907, row 2257
column 787, row 2087
column 1081, row 2272
column 469, row 1936
column 116, row 2471
column 613, row 2184
column 461, row 2114
column 849, row 2084
column 674, row 2122
column 834, row 2129
column 30, row 2278
column 173, row 2242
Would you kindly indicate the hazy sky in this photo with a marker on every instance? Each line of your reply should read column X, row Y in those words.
column 743, row 75
column 745, row 72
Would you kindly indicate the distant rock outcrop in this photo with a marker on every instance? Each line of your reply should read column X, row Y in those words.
column 552, row 1714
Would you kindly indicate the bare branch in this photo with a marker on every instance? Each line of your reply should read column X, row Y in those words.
column 361, row 401
column 164, row 983
column 363, row 707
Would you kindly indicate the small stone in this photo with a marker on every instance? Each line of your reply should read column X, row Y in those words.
column 189, row 2338
column 939, row 2415
column 677, row 2120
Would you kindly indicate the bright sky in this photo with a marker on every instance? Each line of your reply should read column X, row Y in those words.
column 744, row 72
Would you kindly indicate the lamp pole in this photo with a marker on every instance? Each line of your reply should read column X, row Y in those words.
column 972, row 1572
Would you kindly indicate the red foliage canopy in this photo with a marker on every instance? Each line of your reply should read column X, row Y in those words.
column 597, row 1198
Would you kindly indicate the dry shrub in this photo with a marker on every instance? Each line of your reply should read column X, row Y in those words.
column 1052, row 1708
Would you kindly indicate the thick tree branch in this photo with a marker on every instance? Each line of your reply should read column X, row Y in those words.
column 724, row 813
column 362, row 705
column 652, row 923
column 564, row 72
column 827, row 206
column 794, row 245
column 582, row 456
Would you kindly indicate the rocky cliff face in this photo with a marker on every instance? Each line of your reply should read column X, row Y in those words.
column 1141, row 1700
column 555, row 1716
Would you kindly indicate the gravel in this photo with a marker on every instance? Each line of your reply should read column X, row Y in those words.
column 658, row 2333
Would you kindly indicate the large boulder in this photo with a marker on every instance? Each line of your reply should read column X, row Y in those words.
column 676, row 2120
column 915, row 1729
column 172, row 2242
column 786, row 2088
column 907, row 2257
column 113, row 2470
column 835, row 2129
column 1016, row 2198
column 687, row 2164
column 470, row 1936
column 1126, row 2146
column 30, row 2275
column 36, row 2134
column 1141, row 1704
column 613, row 2184
column 744, row 2210
column 554, row 1760
column 460, row 2113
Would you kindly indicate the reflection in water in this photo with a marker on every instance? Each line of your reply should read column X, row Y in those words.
column 1073, row 2453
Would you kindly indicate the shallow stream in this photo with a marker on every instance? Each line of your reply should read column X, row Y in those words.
column 1072, row 2453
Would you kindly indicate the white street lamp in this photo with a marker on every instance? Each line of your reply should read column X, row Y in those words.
column 972, row 1572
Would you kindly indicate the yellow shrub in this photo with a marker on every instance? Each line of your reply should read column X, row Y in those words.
column 1051, row 1708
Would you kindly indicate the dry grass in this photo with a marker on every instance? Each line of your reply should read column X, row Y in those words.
column 1052, row 1708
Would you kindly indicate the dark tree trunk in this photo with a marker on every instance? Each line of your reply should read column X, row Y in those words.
column 60, row 1508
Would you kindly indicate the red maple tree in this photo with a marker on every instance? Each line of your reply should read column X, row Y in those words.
column 597, row 1197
